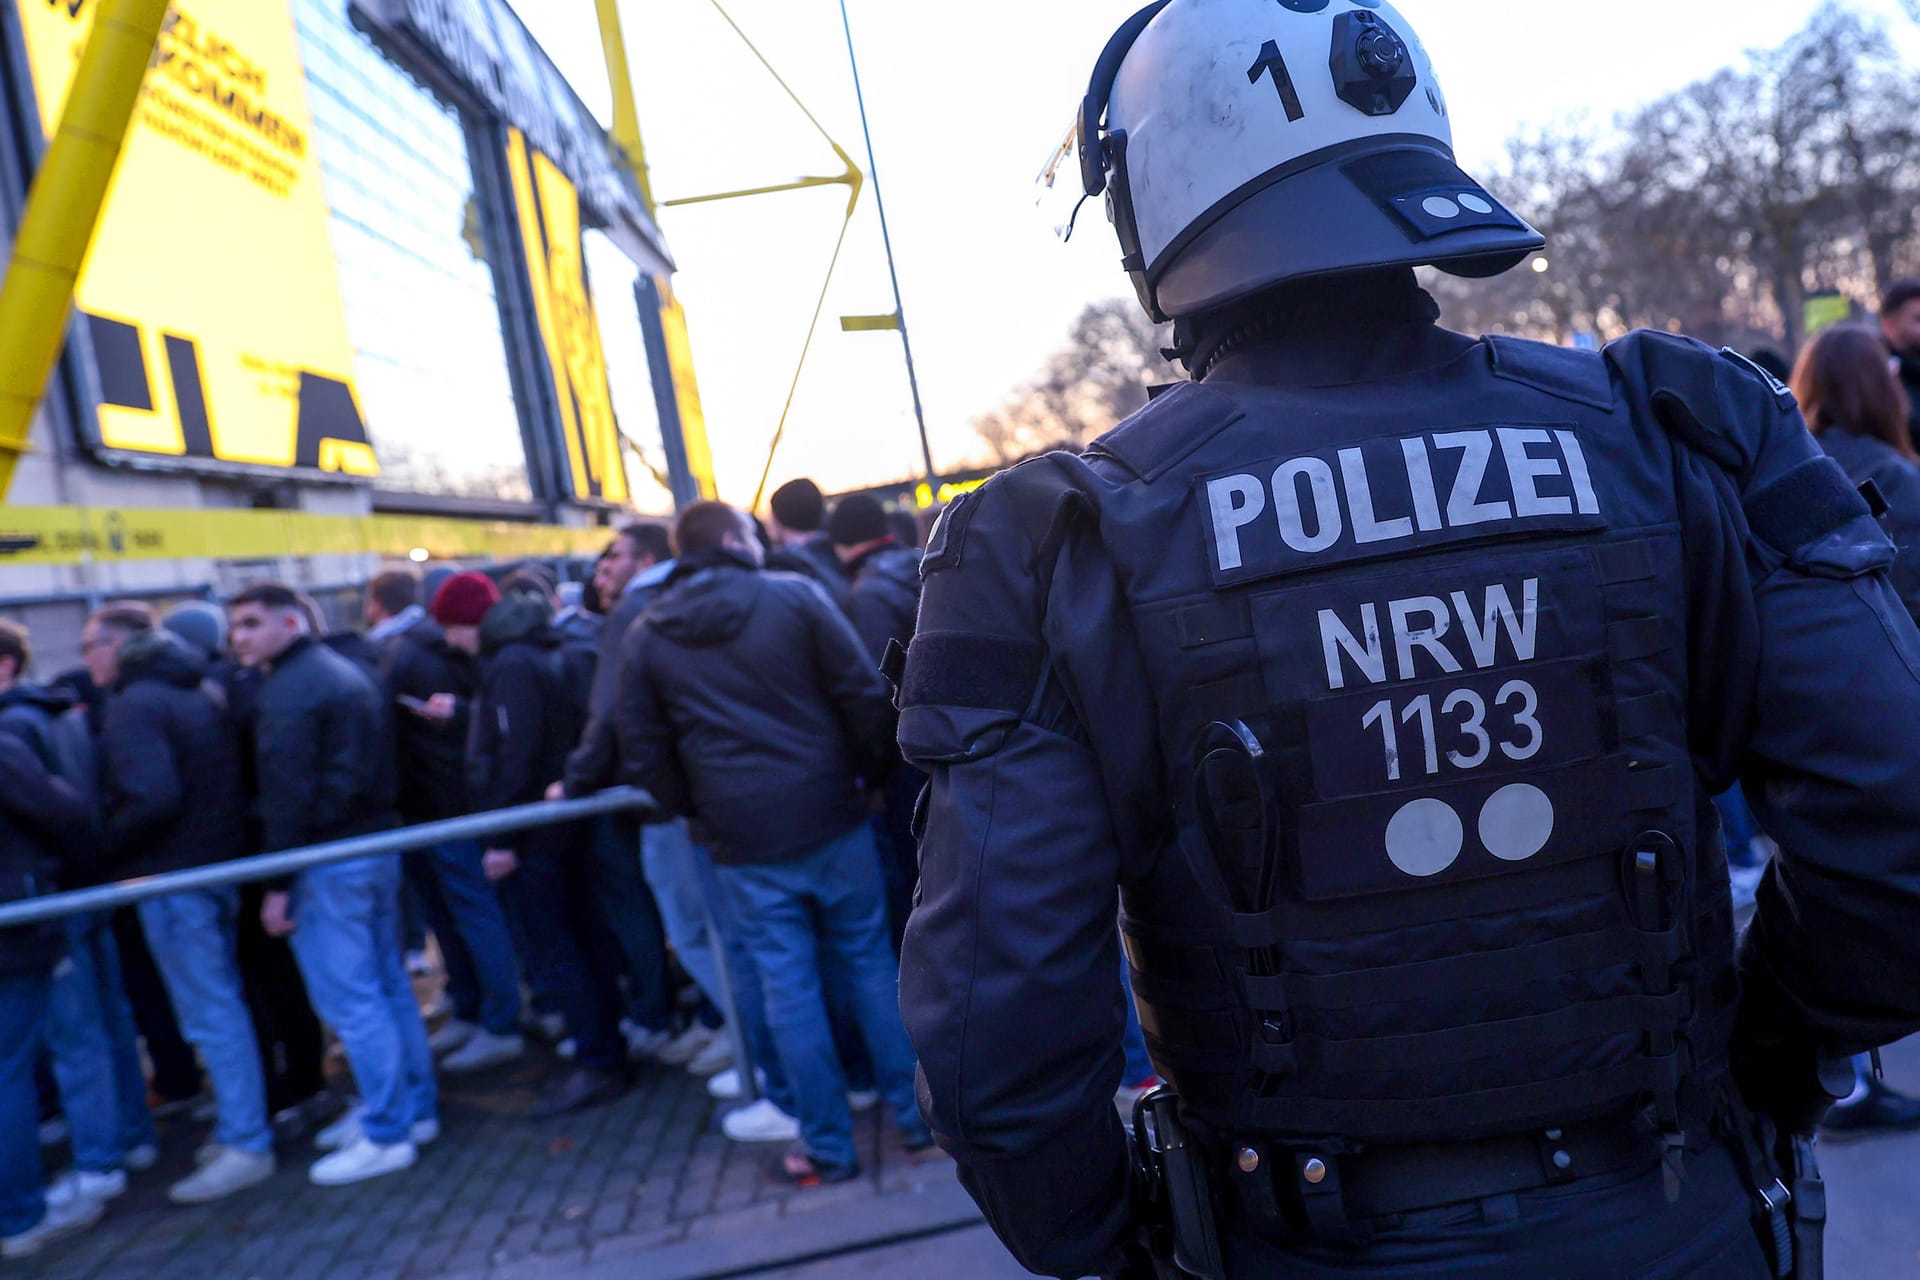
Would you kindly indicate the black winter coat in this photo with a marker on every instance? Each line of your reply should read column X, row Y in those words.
column 1864, row 458
column 38, row 814
column 324, row 750
column 432, row 755
column 595, row 763
column 884, row 601
column 527, row 716
column 815, row 558
column 172, row 788
column 53, row 725
column 748, row 703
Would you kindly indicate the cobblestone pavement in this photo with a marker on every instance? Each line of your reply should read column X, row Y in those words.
column 644, row 1188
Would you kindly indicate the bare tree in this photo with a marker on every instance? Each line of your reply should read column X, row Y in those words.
column 1094, row 382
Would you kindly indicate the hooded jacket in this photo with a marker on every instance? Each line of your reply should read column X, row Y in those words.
column 323, row 746
column 884, row 601
column 50, row 722
column 1864, row 458
column 38, row 815
column 528, row 714
column 748, row 703
column 419, row 663
column 172, row 792
column 814, row 557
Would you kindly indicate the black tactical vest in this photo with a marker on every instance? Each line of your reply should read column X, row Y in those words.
column 1419, row 656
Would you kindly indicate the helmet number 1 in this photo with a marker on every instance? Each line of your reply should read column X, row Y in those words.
column 1271, row 61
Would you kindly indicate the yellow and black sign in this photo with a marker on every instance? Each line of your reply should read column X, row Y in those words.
column 686, row 389
column 549, row 212
column 211, row 293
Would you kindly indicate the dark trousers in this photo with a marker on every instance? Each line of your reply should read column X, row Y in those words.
column 633, row 918
column 553, row 894
column 292, row 1049
column 899, row 851
column 176, row 1072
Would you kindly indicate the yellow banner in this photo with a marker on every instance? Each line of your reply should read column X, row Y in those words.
column 75, row 535
column 211, row 293
column 686, row 390
column 549, row 212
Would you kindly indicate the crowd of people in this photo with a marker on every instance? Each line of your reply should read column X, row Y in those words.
column 732, row 671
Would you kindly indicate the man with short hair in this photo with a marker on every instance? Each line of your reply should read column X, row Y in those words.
column 666, row 905
column 174, row 799
column 743, row 694
column 430, row 685
column 90, row 1032
column 798, row 523
column 320, row 740
column 1900, row 322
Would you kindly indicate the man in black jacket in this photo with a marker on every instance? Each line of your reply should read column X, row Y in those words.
column 799, row 531
column 745, row 694
column 527, row 716
column 38, row 814
column 321, row 742
column 884, row 603
column 1900, row 322
column 430, row 685
column 173, row 799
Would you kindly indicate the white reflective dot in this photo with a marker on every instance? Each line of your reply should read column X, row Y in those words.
column 1477, row 204
column 1517, row 822
column 1440, row 207
column 1425, row 837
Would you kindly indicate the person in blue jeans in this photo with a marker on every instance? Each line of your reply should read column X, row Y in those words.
column 827, row 910
column 96, row 1064
column 323, row 750
column 347, row 940
column 192, row 937
column 483, row 970
column 747, row 703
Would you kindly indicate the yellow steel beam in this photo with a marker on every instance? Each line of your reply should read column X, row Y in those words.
column 626, row 114
column 63, row 209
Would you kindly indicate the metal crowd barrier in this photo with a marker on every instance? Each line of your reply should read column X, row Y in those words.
column 479, row 826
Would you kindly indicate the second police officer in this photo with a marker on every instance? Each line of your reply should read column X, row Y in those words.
column 1387, row 674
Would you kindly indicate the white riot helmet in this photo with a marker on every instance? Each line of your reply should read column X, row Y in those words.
column 1242, row 143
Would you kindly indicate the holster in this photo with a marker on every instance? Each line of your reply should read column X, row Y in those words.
column 1179, row 1187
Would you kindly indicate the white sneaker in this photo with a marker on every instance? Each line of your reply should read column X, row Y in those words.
column 551, row 1026
column 482, row 1050
column 141, row 1158
column 451, row 1036
column 60, row 1222
column 862, row 1099
column 363, row 1160
column 78, row 1184
column 424, row 1133
column 343, row 1132
column 644, row 1045
column 678, row 1051
column 228, row 1171
column 761, row 1122
column 716, row 1057
column 567, row 1049
column 726, row 1085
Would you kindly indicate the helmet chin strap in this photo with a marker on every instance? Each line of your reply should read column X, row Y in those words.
column 1390, row 296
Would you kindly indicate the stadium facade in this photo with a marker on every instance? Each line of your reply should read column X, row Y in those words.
column 371, row 284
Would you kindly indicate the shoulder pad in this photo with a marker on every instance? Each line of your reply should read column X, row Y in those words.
column 1174, row 424
column 1036, row 497
column 1679, row 379
column 1579, row 376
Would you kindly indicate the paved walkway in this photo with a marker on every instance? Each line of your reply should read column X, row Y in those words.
column 647, row 1187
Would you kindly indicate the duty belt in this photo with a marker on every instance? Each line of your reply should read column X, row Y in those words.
column 1341, row 1195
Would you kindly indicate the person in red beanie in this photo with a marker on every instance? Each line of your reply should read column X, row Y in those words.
column 460, row 606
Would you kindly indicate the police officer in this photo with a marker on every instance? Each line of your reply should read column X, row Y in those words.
column 1387, row 673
